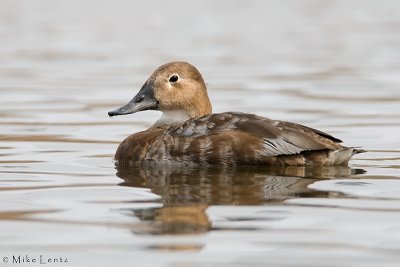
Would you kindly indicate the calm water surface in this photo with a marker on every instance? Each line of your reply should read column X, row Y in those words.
column 333, row 65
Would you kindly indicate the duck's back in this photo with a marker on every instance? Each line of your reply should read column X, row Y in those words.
column 234, row 139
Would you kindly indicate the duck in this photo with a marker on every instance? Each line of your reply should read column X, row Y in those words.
column 188, row 133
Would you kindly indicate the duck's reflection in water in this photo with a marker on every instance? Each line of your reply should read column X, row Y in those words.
column 187, row 192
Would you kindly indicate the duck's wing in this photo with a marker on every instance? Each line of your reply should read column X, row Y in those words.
column 320, row 133
column 240, row 133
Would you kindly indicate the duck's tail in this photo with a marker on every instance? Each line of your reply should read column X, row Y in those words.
column 342, row 156
column 357, row 150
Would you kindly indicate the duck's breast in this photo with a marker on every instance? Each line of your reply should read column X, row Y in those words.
column 136, row 147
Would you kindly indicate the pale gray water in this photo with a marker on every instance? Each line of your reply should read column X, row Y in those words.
column 332, row 65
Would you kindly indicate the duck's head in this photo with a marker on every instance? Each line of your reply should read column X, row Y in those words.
column 177, row 89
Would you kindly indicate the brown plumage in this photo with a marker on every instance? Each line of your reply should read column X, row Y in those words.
column 188, row 133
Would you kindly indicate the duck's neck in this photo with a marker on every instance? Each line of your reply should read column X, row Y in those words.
column 177, row 117
column 201, row 106
column 172, row 117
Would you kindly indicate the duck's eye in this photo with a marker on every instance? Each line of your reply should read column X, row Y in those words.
column 174, row 78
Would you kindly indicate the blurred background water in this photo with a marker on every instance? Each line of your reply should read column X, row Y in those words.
column 332, row 65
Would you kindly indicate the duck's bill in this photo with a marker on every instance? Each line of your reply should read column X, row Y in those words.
column 133, row 108
column 144, row 100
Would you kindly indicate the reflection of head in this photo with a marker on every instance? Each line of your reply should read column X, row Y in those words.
column 174, row 220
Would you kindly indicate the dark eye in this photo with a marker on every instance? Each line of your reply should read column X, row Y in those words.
column 174, row 78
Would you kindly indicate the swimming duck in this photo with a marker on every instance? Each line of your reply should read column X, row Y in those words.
column 189, row 133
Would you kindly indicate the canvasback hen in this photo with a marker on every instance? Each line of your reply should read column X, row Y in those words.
column 189, row 133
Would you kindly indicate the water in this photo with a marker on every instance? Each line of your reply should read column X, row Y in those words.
column 332, row 65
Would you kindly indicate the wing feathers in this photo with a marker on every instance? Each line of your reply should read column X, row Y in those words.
column 271, row 138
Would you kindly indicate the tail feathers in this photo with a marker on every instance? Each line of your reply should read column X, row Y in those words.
column 358, row 150
column 342, row 156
